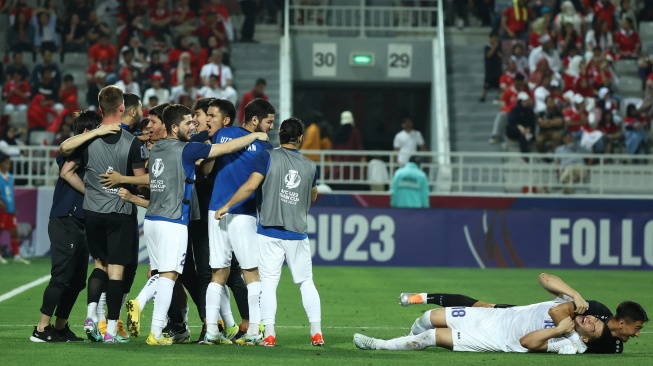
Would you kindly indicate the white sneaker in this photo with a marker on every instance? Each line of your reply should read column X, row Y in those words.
column 19, row 259
column 2, row 260
column 364, row 342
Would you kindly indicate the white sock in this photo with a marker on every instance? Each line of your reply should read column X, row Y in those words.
column 424, row 296
column 161, row 305
column 101, row 307
column 409, row 343
column 225, row 308
column 422, row 324
column 112, row 327
column 253, row 295
column 122, row 304
column 268, row 302
column 269, row 330
column 148, row 292
column 311, row 301
column 184, row 314
column 91, row 311
column 213, row 292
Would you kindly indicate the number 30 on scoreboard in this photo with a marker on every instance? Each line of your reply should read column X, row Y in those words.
column 324, row 59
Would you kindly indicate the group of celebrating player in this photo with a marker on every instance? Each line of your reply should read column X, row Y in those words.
column 224, row 210
column 199, row 181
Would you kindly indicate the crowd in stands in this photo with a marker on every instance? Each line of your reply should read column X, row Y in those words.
column 555, row 65
column 161, row 50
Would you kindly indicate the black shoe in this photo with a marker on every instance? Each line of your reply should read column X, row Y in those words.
column 68, row 334
column 166, row 329
column 179, row 333
column 48, row 335
column 238, row 336
column 202, row 334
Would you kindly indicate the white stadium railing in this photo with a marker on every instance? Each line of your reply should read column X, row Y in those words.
column 366, row 18
column 472, row 173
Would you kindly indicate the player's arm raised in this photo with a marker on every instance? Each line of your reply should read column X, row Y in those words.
column 242, row 193
column 68, row 147
column 236, row 144
column 556, row 286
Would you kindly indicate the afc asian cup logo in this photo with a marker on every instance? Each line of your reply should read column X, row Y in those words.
column 292, row 179
column 157, row 167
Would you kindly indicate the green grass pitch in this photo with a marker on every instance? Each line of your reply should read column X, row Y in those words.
column 354, row 299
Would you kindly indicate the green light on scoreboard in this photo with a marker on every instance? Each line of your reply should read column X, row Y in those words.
column 364, row 59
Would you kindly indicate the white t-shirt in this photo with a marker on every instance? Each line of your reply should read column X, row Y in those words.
column 129, row 88
column 179, row 92
column 162, row 94
column 213, row 69
column 540, row 93
column 407, row 143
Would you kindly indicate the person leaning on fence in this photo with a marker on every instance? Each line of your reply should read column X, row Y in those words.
column 573, row 166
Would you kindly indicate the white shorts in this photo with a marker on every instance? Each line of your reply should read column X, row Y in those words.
column 297, row 254
column 233, row 233
column 476, row 329
column 166, row 245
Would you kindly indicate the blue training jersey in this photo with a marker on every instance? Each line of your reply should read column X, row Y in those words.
column 7, row 193
column 193, row 151
column 233, row 170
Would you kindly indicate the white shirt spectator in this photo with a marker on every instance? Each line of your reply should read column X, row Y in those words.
column 129, row 88
column 407, row 143
column 223, row 71
column 551, row 56
column 377, row 172
column 540, row 93
column 178, row 93
column 162, row 94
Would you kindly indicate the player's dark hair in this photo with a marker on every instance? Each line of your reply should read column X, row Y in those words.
column 3, row 157
column 131, row 101
column 259, row 108
column 86, row 120
column 630, row 310
column 109, row 99
column 604, row 344
column 290, row 130
column 226, row 108
column 261, row 81
column 68, row 77
column 158, row 110
column 203, row 104
column 173, row 115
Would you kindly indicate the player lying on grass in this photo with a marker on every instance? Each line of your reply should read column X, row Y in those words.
column 625, row 324
column 530, row 328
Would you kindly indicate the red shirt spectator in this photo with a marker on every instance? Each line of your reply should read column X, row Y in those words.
column 516, row 17
column 604, row 10
column 576, row 116
column 509, row 97
column 627, row 42
column 634, row 122
column 21, row 7
column 16, row 91
column 583, row 86
column 256, row 92
column 102, row 49
column 212, row 27
column 37, row 113
column 507, row 80
column 161, row 16
column 599, row 75
column 182, row 13
column 70, row 107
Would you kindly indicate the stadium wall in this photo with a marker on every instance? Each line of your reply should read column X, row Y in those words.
column 485, row 232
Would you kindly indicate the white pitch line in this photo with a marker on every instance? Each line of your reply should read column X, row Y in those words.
column 23, row 288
